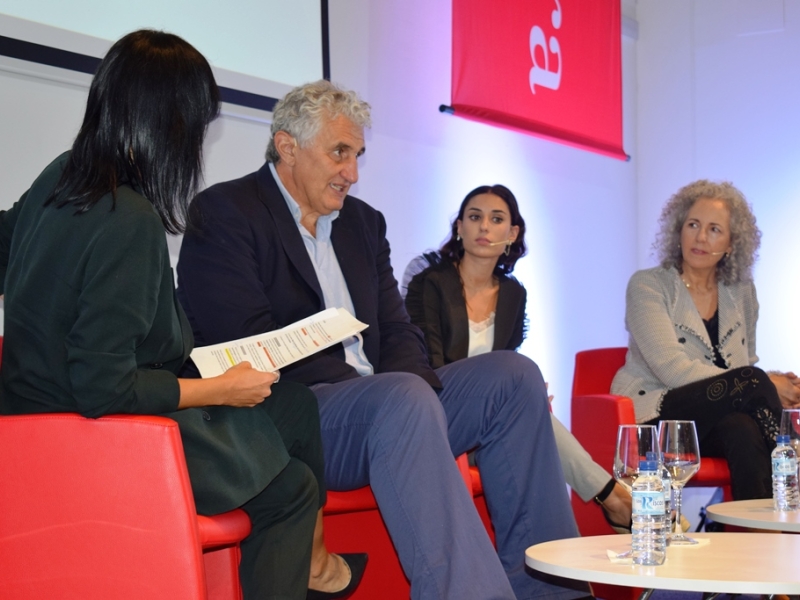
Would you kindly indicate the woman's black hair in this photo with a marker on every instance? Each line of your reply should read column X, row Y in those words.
column 150, row 104
column 452, row 250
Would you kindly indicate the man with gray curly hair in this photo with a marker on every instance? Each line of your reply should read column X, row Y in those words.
column 302, row 111
column 288, row 241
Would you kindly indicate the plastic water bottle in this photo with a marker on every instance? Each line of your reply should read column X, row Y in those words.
column 785, row 495
column 666, row 483
column 648, row 543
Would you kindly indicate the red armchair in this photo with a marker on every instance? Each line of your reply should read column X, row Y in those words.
column 354, row 524
column 103, row 508
column 596, row 415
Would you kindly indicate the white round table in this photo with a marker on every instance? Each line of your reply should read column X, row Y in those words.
column 731, row 563
column 754, row 513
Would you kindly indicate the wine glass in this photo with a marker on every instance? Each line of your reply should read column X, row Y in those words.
column 681, row 454
column 633, row 444
column 790, row 425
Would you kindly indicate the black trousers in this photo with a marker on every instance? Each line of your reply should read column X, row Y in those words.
column 276, row 556
column 736, row 415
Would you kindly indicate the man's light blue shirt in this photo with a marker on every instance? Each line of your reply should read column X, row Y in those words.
column 334, row 288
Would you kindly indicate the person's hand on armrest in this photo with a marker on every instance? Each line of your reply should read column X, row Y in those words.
column 794, row 379
column 788, row 386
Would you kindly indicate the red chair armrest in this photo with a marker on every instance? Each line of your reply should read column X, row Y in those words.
column 357, row 500
column 477, row 485
column 223, row 530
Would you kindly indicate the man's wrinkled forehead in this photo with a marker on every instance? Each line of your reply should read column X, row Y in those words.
column 340, row 132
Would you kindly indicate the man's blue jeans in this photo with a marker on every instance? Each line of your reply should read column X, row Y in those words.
column 393, row 432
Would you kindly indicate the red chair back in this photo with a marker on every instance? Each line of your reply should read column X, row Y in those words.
column 96, row 509
column 595, row 369
column 596, row 416
column 34, row 447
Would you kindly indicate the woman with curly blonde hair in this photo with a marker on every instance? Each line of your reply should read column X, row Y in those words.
column 692, row 325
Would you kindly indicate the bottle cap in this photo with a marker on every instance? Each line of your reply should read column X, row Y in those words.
column 783, row 439
column 648, row 465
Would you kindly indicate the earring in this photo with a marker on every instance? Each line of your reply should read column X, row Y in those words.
column 458, row 237
column 508, row 247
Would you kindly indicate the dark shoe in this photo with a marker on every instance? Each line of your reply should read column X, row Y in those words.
column 357, row 563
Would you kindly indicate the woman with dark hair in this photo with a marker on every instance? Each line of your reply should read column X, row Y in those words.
column 466, row 302
column 91, row 321
column 692, row 344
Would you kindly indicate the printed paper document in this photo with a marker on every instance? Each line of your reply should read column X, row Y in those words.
column 275, row 349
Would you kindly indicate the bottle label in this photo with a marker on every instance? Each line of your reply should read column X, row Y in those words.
column 648, row 502
column 784, row 466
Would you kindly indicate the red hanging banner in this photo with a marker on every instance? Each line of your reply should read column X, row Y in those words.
column 550, row 68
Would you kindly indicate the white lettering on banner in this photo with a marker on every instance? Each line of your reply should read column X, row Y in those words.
column 543, row 76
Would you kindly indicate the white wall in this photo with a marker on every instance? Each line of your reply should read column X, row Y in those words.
column 580, row 207
column 41, row 109
column 711, row 89
column 38, row 120
column 719, row 98
column 719, row 87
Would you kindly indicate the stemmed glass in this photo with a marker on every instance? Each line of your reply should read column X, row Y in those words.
column 633, row 444
column 681, row 454
column 790, row 425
